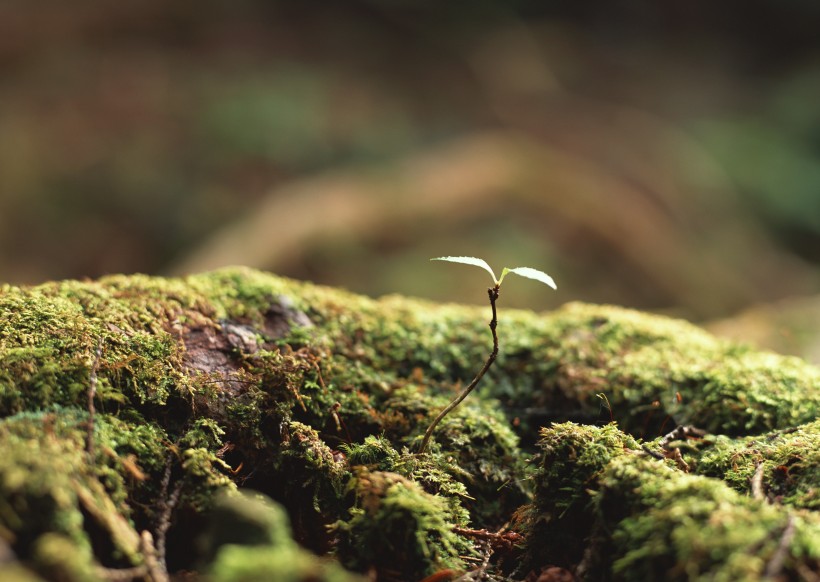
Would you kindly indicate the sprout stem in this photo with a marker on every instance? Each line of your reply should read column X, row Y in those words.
column 492, row 292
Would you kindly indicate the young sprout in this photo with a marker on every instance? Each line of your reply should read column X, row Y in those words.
column 492, row 292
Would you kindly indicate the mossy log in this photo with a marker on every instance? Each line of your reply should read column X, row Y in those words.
column 134, row 410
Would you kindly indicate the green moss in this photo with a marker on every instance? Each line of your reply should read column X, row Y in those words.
column 398, row 529
column 615, row 512
column 57, row 558
column 308, row 454
column 789, row 461
column 672, row 526
column 550, row 367
column 15, row 572
column 478, row 440
column 656, row 371
column 437, row 474
column 50, row 333
column 51, row 497
column 241, row 377
column 37, row 484
column 559, row 521
column 249, row 539
column 251, row 564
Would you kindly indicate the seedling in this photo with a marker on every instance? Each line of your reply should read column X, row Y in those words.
column 492, row 292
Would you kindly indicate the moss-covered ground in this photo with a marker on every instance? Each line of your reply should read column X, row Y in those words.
column 137, row 413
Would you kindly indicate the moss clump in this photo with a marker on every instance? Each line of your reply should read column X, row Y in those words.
column 57, row 558
column 608, row 510
column 672, row 526
column 309, row 478
column 437, row 474
column 559, row 521
column 788, row 463
column 249, row 539
column 51, row 498
column 398, row 529
column 655, row 372
column 474, row 444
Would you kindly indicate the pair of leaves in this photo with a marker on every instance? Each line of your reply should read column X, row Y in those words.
column 527, row 272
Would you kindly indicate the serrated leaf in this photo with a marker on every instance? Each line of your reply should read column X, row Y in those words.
column 470, row 261
column 530, row 273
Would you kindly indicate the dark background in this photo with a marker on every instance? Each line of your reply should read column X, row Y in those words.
column 664, row 156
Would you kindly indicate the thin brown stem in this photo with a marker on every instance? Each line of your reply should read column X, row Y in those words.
column 492, row 292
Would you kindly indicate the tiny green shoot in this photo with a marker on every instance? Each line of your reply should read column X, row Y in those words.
column 492, row 292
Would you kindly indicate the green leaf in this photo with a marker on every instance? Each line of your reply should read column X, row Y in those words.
column 529, row 273
column 470, row 261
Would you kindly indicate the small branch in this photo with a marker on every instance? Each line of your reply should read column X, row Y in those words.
column 652, row 453
column 682, row 432
column 679, row 461
column 497, row 540
column 775, row 566
column 492, row 292
column 92, row 393
column 480, row 571
column 167, row 507
column 122, row 574
column 153, row 569
column 157, row 571
column 757, row 482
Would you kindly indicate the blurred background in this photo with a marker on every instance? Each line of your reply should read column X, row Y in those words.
column 663, row 156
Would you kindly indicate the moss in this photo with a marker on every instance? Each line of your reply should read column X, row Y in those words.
column 54, row 508
column 611, row 511
column 37, row 485
column 57, row 558
column 50, row 333
column 398, row 529
column 16, row 572
column 305, row 454
column 249, row 539
column 672, row 526
column 244, row 564
column 789, row 462
column 437, row 474
column 550, row 367
column 656, row 372
column 241, row 378
column 559, row 521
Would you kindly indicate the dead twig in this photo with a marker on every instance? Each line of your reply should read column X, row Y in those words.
column 151, row 570
column 166, row 506
column 775, row 565
column 122, row 574
column 652, row 453
column 157, row 571
column 479, row 572
column 676, row 456
column 498, row 540
column 757, row 483
column 681, row 432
